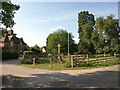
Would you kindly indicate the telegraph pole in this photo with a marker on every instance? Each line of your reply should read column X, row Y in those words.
column 68, row 44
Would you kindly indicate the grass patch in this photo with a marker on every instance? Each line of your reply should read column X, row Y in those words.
column 54, row 67
column 57, row 66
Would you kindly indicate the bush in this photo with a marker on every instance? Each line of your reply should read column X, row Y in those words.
column 10, row 55
column 20, row 55
column 26, row 61
column 67, row 62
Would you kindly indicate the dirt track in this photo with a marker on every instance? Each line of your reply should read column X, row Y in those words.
column 19, row 76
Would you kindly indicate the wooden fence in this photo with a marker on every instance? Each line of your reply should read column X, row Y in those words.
column 77, row 59
column 86, row 60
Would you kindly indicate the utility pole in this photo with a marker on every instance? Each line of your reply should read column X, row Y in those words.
column 68, row 44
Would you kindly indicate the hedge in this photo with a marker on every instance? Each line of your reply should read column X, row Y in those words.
column 10, row 55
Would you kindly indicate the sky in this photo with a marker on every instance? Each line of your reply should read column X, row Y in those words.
column 36, row 20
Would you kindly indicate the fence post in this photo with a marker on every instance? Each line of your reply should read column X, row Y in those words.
column 104, row 56
column 50, row 57
column 71, row 61
column 105, row 59
column 50, row 62
column 88, row 59
column 97, row 59
column 114, row 56
column 110, row 57
column 33, row 61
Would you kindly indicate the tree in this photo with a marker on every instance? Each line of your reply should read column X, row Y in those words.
column 36, row 48
column 3, row 31
column 98, row 39
column 86, row 24
column 60, row 37
column 106, row 35
column 112, row 33
column 8, row 11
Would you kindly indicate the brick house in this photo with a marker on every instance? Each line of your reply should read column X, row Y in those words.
column 12, row 43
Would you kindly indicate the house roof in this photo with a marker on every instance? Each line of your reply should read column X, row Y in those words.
column 20, row 40
column 10, row 37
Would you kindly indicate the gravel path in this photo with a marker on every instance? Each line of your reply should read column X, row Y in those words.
column 11, row 67
column 19, row 76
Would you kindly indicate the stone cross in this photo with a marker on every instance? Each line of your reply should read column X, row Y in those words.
column 59, row 57
column 58, row 48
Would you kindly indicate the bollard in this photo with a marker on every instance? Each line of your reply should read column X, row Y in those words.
column 88, row 59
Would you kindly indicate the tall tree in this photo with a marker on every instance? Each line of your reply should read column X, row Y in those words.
column 86, row 24
column 8, row 11
column 112, row 33
column 98, row 39
column 60, row 37
column 106, row 36
column 3, row 31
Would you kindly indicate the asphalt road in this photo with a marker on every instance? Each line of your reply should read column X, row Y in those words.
column 16, row 76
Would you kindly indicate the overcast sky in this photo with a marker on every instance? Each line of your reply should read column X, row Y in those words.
column 36, row 20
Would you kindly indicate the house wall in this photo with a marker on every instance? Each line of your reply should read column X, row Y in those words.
column 21, row 48
column 12, row 48
column 15, row 47
column 18, row 46
column 2, row 44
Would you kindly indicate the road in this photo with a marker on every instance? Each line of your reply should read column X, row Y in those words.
column 15, row 76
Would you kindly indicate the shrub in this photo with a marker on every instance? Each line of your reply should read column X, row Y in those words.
column 20, row 55
column 26, row 61
column 10, row 55
column 44, row 61
column 67, row 62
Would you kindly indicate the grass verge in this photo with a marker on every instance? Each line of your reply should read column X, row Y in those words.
column 44, row 64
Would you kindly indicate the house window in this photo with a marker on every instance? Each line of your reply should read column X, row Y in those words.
column 11, row 44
